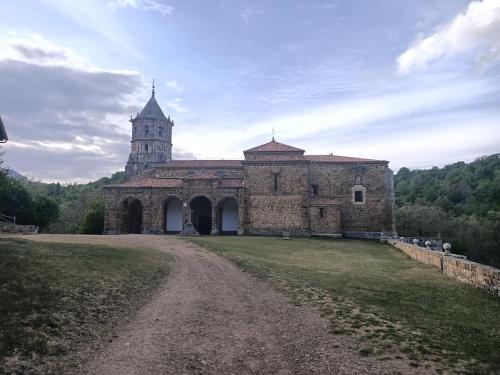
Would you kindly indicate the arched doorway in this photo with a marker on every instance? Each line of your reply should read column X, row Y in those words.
column 229, row 216
column 201, row 215
column 131, row 216
column 173, row 215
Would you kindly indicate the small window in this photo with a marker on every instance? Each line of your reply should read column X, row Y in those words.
column 160, row 131
column 146, row 130
column 146, row 147
column 321, row 212
column 314, row 190
column 275, row 175
column 358, row 196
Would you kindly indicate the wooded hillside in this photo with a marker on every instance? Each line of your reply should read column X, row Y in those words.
column 460, row 202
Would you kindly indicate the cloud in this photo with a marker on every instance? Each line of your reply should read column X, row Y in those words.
column 355, row 120
column 66, row 118
column 242, row 9
column 37, row 50
column 477, row 31
column 172, row 84
column 177, row 106
column 101, row 22
column 151, row 5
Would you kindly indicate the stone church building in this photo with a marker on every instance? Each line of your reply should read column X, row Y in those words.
column 276, row 188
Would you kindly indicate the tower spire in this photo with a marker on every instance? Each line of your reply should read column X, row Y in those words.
column 153, row 91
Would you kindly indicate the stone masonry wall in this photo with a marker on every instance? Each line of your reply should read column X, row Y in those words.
column 16, row 228
column 270, row 211
column 476, row 274
column 264, row 210
column 336, row 180
column 153, row 202
column 329, row 223
column 275, row 214
column 177, row 172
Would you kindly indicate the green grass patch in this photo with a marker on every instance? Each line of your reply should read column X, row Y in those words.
column 58, row 301
column 372, row 291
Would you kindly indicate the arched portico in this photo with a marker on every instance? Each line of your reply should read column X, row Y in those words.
column 201, row 214
column 172, row 213
column 229, row 220
column 131, row 213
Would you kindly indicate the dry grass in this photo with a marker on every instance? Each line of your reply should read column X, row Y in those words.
column 397, row 307
column 58, row 302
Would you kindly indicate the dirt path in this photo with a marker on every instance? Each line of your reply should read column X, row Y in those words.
column 212, row 318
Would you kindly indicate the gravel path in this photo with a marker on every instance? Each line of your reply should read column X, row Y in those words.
column 212, row 318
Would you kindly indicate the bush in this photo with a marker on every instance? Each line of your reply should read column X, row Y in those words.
column 93, row 222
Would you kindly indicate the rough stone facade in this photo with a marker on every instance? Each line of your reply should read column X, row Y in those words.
column 276, row 188
column 151, row 144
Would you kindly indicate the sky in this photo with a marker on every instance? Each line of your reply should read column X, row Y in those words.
column 415, row 82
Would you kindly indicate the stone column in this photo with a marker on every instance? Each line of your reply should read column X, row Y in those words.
column 146, row 213
column 241, row 212
column 215, row 218
column 188, row 229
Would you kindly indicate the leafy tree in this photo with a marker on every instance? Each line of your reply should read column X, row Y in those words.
column 93, row 222
column 17, row 201
column 46, row 211
column 460, row 202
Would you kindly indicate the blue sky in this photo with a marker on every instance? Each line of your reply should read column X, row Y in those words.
column 413, row 82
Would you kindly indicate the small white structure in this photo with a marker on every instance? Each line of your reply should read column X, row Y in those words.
column 230, row 216
column 174, row 216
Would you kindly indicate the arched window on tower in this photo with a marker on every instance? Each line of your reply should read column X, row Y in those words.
column 146, row 130
column 146, row 147
column 160, row 131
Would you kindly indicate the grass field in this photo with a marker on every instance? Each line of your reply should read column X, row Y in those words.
column 59, row 301
column 398, row 308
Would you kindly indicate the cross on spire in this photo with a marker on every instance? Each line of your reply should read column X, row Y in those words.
column 273, row 134
column 153, row 91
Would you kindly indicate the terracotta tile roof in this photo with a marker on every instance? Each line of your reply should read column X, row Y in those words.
column 203, row 163
column 339, row 159
column 277, row 158
column 274, row 146
column 319, row 201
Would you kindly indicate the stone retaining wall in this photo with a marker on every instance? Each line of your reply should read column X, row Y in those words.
column 476, row 274
column 14, row 228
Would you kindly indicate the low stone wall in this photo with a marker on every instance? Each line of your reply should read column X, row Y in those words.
column 14, row 228
column 476, row 274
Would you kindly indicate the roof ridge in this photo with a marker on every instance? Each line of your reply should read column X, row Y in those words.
column 340, row 158
column 274, row 146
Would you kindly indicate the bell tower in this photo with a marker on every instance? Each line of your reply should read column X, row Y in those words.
column 151, row 144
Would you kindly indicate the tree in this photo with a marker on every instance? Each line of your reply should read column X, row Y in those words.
column 93, row 222
column 46, row 211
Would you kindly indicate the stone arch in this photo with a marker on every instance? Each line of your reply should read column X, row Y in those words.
column 201, row 214
column 173, row 215
column 131, row 215
column 229, row 218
